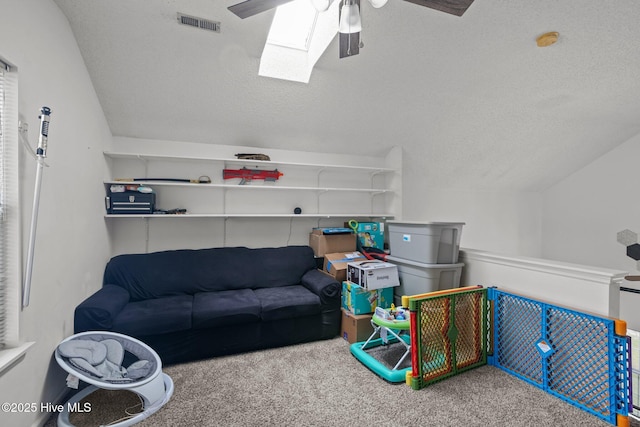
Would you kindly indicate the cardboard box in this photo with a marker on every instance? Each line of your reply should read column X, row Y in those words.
column 372, row 274
column 355, row 327
column 358, row 300
column 336, row 263
column 323, row 244
column 370, row 234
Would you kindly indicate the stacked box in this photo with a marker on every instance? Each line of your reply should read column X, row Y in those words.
column 359, row 300
column 372, row 274
column 370, row 234
column 425, row 242
column 426, row 254
column 355, row 327
column 323, row 243
column 336, row 263
column 418, row 278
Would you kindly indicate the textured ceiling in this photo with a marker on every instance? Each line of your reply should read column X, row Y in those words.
column 472, row 100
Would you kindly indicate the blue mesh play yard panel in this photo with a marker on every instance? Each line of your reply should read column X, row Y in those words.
column 575, row 356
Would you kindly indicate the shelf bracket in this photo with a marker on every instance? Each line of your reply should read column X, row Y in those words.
column 318, row 176
column 224, row 201
column 145, row 162
column 373, row 196
column 318, row 194
column 373, row 175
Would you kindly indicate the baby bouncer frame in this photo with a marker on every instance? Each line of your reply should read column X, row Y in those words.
column 154, row 389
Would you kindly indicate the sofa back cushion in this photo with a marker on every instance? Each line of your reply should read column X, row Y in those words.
column 189, row 271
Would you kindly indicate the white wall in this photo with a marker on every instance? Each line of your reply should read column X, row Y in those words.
column 72, row 245
column 499, row 221
column 582, row 214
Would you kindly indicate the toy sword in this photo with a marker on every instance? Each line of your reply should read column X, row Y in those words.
column 41, row 153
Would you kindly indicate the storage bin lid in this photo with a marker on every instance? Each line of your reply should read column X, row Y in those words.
column 395, row 222
column 395, row 260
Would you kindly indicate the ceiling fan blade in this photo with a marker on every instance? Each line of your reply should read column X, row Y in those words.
column 253, row 7
column 454, row 7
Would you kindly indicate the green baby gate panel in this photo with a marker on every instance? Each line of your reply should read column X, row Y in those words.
column 452, row 332
column 571, row 355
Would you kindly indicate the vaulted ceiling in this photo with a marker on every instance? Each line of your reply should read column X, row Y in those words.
column 473, row 100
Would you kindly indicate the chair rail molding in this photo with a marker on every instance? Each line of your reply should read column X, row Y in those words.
column 581, row 287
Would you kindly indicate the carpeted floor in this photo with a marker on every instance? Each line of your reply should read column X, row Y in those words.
column 322, row 384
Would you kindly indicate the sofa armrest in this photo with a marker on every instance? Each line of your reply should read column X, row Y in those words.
column 329, row 290
column 99, row 310
column 323, row 285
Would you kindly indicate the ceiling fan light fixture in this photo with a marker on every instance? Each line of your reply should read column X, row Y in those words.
column 350, row 21
column 377, row 3
column 321, row 5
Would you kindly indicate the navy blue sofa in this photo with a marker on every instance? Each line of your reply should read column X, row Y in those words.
column 192, row 304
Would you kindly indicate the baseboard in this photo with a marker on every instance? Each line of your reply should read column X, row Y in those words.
column 60, row 398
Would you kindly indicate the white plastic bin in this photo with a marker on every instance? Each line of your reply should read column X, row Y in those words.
column 418, row 278
column 425, row 242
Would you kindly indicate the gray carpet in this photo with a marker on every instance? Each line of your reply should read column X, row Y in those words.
column 322, row 384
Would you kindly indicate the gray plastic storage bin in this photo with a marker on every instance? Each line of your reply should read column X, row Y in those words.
column 418, row 278
column 425, row 242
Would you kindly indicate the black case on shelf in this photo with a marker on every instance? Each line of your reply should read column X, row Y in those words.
column 130, row 202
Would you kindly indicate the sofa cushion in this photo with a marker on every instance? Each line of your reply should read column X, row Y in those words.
column 287, row 302
column 276, row 267
column 211, row 309
column 189, row 271
column 155, row 316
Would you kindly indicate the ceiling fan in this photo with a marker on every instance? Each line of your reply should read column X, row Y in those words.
column 349, row 38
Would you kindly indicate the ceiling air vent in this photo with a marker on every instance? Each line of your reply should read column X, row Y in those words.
column 205, row 24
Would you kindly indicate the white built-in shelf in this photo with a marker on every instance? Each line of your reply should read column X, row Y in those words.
column 246, row 186
column 239, row 215
column 141, row 156
column 224, row 201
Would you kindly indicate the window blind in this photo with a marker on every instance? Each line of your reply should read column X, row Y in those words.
column 3, row 216
column 10, row 250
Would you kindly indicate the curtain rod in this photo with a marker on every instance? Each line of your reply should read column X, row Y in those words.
column 5, row 65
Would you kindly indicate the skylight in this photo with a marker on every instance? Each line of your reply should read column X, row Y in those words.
column 298, row 36
column 293, row 25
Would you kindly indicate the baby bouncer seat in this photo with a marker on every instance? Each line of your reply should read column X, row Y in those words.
column 97, row 358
